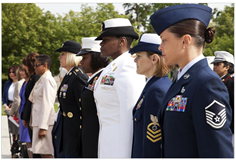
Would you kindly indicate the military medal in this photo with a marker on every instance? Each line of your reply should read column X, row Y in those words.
column 177, row 103
column 139, row 103
column 108, row 80
column 91, row 87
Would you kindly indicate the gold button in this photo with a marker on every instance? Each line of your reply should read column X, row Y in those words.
column 80, row 126
column 55, row 136
column 80, row 99
column 80, row 117
column 70, row 114
column 135, row 119
column 64, row 114
column 80, row 108
column 97, row 114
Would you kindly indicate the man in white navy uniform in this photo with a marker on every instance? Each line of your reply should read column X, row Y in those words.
column 117, row 89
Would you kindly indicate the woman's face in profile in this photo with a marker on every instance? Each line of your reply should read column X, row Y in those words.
column 62, row 58
column 171, row 48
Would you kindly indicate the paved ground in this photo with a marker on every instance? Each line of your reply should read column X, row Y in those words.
column 5, row 150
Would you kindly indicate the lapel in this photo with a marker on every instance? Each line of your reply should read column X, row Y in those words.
column 147, row 86
column 184, row 80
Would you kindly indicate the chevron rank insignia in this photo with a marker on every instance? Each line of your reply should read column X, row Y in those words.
column 153, row 130
column 215, row 114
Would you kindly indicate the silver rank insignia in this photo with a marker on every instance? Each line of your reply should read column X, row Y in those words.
column 153, row 130
column 215, row 114
column 182, row 90
column 186, row 76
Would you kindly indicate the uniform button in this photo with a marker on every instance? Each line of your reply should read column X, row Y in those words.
column 80, row 126
column 97, row 114
column 80, row 108
column 80, row 117
column 80, row 99
column 135, row 119
column 55, row 137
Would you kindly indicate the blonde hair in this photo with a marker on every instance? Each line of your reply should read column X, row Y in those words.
column 161, row 67
column 72, row 60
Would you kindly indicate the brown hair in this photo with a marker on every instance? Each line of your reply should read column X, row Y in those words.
column 194, row 28
column 14, row 68
column 22, row 69
column 29, row 61
column 161, row 68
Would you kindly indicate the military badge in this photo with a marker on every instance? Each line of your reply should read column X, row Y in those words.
column 153, row 130
column 91, row 87
column 108, row 80
column 215, row 114
column 139, row 103
column 177, row 103
column 64, row 88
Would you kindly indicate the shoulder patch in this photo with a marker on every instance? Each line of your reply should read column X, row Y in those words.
column 215, row 114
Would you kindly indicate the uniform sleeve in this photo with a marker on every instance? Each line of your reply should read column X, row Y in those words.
column 212, row 117
column 5, row 90
column 16, row 101
column 129, row 86
column 151, row 132
column 49, row 95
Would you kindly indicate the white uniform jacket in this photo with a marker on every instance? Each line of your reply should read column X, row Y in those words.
column 42, row 97
column 116, row 92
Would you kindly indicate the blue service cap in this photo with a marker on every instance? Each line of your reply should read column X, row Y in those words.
column 147, row 42
column 166, row 17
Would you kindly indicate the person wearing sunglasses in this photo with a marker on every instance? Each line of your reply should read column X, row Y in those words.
column 43, row 96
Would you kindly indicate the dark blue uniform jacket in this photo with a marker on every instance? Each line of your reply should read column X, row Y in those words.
column 147, row 133
column 196, row 116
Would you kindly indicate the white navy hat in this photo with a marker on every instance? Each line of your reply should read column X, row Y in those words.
column 221, row 56
column 117, row 27
column 147, row 42
column 89, row 45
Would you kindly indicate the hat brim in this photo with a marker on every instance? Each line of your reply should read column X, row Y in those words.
column 146, row 47
column 118, row 31
column 216, row 61
column 65, row 49
column 80, row 53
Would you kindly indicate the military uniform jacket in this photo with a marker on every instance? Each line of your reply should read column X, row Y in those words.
column 69, row 97
column 196, row 115
column 228, row 80
column 116, row 92
column 147, row 131
column 90, row 122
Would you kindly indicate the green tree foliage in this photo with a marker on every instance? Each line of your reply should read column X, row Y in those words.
column 26, row 28
column 224, row 26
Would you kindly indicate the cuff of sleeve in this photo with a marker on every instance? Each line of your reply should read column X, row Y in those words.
column 44, row 127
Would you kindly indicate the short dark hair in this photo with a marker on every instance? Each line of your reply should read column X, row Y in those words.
column 231, row 67
column 29, row 61
column 97, row 61
column 14, row 68
column 195, row 29
column 129, row 40
column 44, row 59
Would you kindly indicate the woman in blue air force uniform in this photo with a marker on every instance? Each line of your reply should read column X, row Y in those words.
column 195, row 115
column 147, row 131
